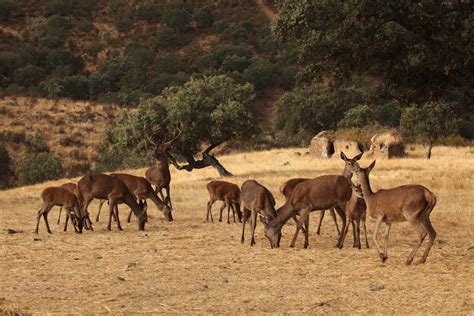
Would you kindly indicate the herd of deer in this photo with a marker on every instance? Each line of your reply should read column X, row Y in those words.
column 336, row 193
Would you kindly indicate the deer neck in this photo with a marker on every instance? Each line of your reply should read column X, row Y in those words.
column 347, row 173
column 132, row 203
column 283, row 214
column 365, row 186
column 158, row 202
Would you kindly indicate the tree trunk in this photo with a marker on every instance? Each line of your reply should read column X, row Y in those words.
column 429, row 146
column 206, row 161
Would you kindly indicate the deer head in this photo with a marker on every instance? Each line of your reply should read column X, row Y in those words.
column 272, row 233
column 350, row 163
column 160, row 150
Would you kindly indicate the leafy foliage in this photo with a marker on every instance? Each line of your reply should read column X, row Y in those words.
column 39, row 167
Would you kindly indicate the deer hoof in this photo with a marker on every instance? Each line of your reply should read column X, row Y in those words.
column 383, row 257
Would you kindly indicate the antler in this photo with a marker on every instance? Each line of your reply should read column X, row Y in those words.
column 145, row 132
column 170, row 142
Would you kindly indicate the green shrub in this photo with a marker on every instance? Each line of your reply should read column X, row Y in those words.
column 93, row 49
column 35, row 143
column 357, row 117
column 60, row 7
column 85, row 26
column 122, row 21
column 177, row 17
column 389, row 113
column 7, row 8
column 39, row 167
column 261, row 73
column 288, row 76
column 235, row 63
column 8, row 63
column 149, row 12
column 204, row 17
column 61, row 57
column 239, row 32
column 74, row 87
column 4, row 161
column 29, row 75
column 466, row 129
column 77, row 168
column 165, row 37
column 138, row 55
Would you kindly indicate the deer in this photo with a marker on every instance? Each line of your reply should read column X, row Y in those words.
column 159, row 175
column 412, row 203
column 227, row 192
column 256, row 199
column 141, row 189
column 71, row 187
column 356, row 213
column 58, row 196
column 287, row 188
column 102, row 186
column 321, row 193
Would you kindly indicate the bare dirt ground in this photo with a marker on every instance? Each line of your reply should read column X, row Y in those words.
column 190, row 266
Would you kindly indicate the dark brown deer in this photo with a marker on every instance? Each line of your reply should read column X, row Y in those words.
column 320, row 193
column 412, row 203
column 57, row 196
column 355, row 213
column 227, row 192
column 102, row 186
column 159, row 175
column 256, row 199
column 288, row 187
column 142, row 190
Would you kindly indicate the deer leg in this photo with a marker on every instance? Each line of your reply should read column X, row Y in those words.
column 303, row 215
column 221, row 210
column 333, row 215
column 421, row 237
column 233, row 210
column 67, row 220
column 378, row 222
column 342, row 215
column 101, row 202
column 295, row 219
column 385, row 243
column 358, row 243
column 431, row 235
column 344, row 233
column 354, row 238
column 306, row 232
column 246, row 217
column 111, row 211
column 321, row 216
column 365, row 233
column 38, row 217
column 45, row 217
column 129, row 217
column 59, row 216
column 253, row 225
column 116, row 211
column 168, row 196
column 209, row 210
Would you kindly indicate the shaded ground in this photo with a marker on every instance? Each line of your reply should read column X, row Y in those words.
column 195, row 267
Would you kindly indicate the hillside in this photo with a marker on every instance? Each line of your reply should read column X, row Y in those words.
column 193, row 267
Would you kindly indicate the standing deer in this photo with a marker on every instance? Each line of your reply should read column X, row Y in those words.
column 412, row 203
column 57, row 196
column 142, row 190
column 355, row 213
column 227, row 192
column 159, row 175
column 320, row 193
column 256, row 199
column 288, row 187
column 102, row 186
column 71, row 187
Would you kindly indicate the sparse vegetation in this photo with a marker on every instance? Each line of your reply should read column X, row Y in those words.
column 39, row 167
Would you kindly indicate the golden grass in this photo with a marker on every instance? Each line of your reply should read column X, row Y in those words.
column 189, row 266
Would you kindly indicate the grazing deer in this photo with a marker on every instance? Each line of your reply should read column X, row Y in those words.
column 102, row 186
column 256, row 199
column 320, row 193
column 58, row 196
column 101, row 202
column 412, row 203
column 159, row 175
column 142, row 190
column 227, row 192
column 71, row 187
column 288, row 187
column 355, row 213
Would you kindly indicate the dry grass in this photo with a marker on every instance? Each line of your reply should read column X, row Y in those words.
column 189, row 266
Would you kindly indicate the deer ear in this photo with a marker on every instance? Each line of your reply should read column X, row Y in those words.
column 358, row 156
column 372, row 165
column 343, row 156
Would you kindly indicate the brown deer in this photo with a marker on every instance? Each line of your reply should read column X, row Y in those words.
column 142, row 190
column 227, row 192
column 288, row 187
column 159, row 175
column 71, row 187
column 412, row 203
column 57, row 196
column 256, row 199
column 102, row 186
column 320, row 193
column 355, row 213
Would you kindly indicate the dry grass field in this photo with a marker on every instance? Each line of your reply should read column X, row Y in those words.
column 189, row 266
